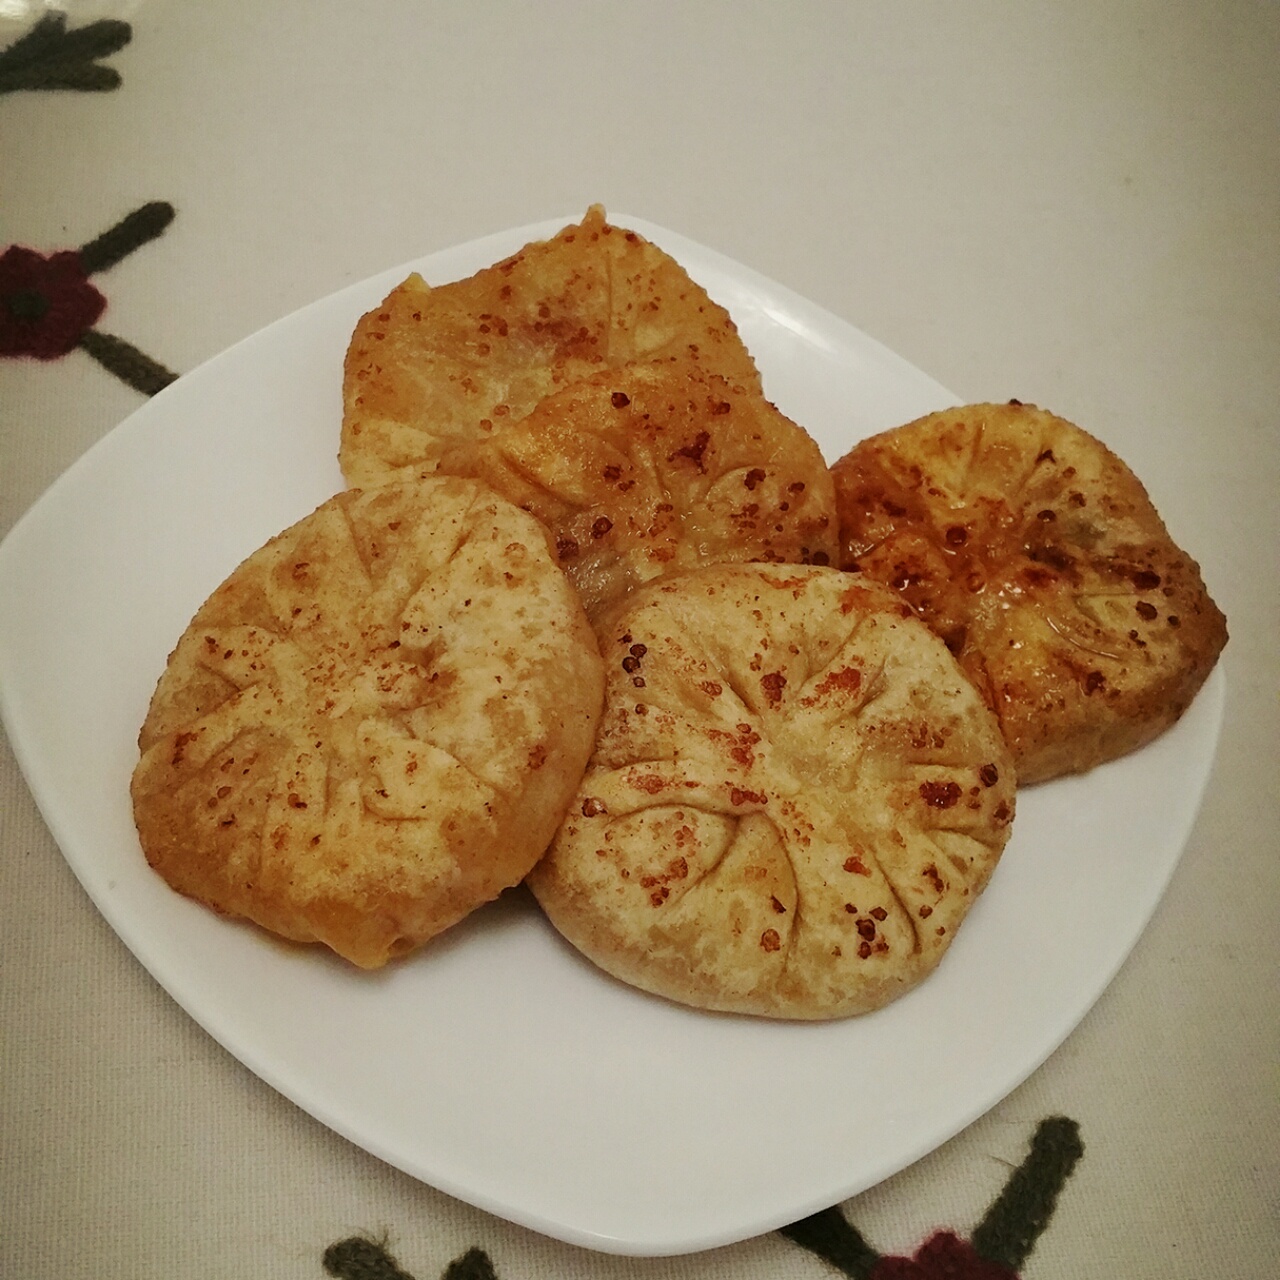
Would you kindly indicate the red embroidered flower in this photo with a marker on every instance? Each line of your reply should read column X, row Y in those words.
column 944, row 1256
column 46, row 304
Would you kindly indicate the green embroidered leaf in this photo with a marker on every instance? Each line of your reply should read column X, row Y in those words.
column 126, row 362
column 833, row 1238
column 361, row 1259
column 130, row 233
column 1013, row 1224
column 94, row 40
column 473, row 1265
column 35, row 44
column 51, row 57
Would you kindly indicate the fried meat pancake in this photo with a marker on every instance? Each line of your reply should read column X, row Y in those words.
column 1039, row 558
column 795, row 796
column 655, row 469
column 432, row 371
column 374, row 724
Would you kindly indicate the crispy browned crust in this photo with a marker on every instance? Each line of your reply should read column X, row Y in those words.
column 374, row 725
column 1037, row 555
column 794, row 800
column 432, row 371
column 656, row 469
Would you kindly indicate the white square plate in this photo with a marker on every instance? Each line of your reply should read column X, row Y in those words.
column 496, row 1064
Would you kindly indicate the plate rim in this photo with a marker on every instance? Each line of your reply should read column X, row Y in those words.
column 1211, row 700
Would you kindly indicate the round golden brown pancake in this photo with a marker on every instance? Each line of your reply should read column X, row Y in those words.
column 795, row 796
column 374, row 724
column 1039, row 558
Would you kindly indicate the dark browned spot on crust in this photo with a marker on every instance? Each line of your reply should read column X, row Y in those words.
column 941, row 795
column 847, row 678
column 695, row 449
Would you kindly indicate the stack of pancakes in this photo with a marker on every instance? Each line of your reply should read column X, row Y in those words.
column 594, row 614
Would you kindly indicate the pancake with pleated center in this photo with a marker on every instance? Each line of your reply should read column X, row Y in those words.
column 432, row 371
column 660, row 468
column 1037, row 555
column 374, row 724
column 795, row 797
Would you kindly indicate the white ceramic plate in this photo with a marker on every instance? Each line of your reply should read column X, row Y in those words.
column 496, row 1064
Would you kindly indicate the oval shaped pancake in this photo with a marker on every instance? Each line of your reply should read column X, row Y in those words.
column 432, row 371
column 1037, row 555
column 794, row 800
column 374, row 724
column 658, row 468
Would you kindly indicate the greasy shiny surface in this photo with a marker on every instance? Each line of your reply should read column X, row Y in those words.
column 1036, row 554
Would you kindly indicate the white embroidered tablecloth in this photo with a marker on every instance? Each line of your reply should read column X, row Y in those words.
column 1077, row 206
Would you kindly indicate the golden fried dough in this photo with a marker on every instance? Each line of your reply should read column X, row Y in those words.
column 432, row 371
column 1038, row 557
column 658, row 468
column 374, row 725
column 795, row 796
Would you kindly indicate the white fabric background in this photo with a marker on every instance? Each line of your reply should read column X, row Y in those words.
column 1077, row 205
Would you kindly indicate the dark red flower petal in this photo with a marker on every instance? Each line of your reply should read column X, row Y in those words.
column 46, row 303
column 944, row 1256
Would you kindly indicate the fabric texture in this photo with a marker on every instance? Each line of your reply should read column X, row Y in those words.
column 1071, row 206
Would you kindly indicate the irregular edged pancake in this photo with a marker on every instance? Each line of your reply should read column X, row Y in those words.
column 659, row 468
column 374, row 725
column 432, row 371
column 1038, row 557
column 795, row 796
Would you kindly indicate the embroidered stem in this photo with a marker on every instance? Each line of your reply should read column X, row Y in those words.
column 126, row 362
column 130, row 233
column 829, row 1234
column 1011, row 1227
column 51, row 57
